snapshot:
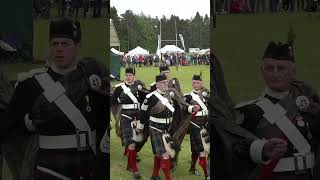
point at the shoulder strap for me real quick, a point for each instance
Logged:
(276, 114)
(55, 92)
(198, 100)
(128, 92)
(164, 101)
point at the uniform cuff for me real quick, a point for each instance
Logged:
(190, 109)
(256, 150)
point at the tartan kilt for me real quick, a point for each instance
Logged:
(70, 163)
(125, 126)
(156, 138)
(126, 131)
(195, 136)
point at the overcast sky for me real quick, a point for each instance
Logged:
(185, 9)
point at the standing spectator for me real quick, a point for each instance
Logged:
(263, 6)
(300, 5)
(75, 4)
(97, 8)
(150, 60)
(157, 61)
(85, 5)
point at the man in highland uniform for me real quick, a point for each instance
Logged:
(129, 96)
(198, 125)
(285, 120)
(158, 108)
(61, 111)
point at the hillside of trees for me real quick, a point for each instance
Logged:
(142, 30)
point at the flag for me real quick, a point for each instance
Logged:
(158, 48)
(182, 41)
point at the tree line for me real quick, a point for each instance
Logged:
(142, 30)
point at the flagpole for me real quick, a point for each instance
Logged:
(160, 43)
(175, 24)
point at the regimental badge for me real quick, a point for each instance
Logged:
(95, 81)
(303, 103)
(300, 121)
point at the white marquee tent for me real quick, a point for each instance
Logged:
(137, 51)
(171, 49)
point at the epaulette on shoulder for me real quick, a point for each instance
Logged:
(152, 83)
(139, 82)
(117, 85)
(150, 94)
(186, 94)
(242, 104)
(26, 75)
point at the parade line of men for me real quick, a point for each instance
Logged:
(159, 113)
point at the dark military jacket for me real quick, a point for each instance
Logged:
(120, 97)
(82, 88)
(203, 95)
(307, 124)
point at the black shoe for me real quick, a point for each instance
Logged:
(155, 178)
(194, 172)
(128, 168)
(136, 175)
(138, 159)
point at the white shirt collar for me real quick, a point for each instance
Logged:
(275, 94)
(161, 92)
(129, 83)
(195, 91)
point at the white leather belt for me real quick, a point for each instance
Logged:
(296, 163)
(130, 106)
(81, 141)
(202, 113)
(161, 120)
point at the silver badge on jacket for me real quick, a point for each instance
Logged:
(95, 81)
(303, 103)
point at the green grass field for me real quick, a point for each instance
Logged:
(119, 162)
(239, 41)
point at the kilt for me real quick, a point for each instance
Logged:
(69, 163)
(195, 136)
(126, 129)
(156, 137)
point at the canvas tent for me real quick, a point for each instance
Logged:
(204, 51)
(171, 49)
(138, 51)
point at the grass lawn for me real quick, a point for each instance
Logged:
(118, 161)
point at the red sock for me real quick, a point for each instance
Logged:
(125, 151)
(156, 165)
(203, 164)
(165, 165)
(132, 159)
(194, 158)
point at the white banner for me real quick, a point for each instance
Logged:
(158, 48)
(182, 41)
